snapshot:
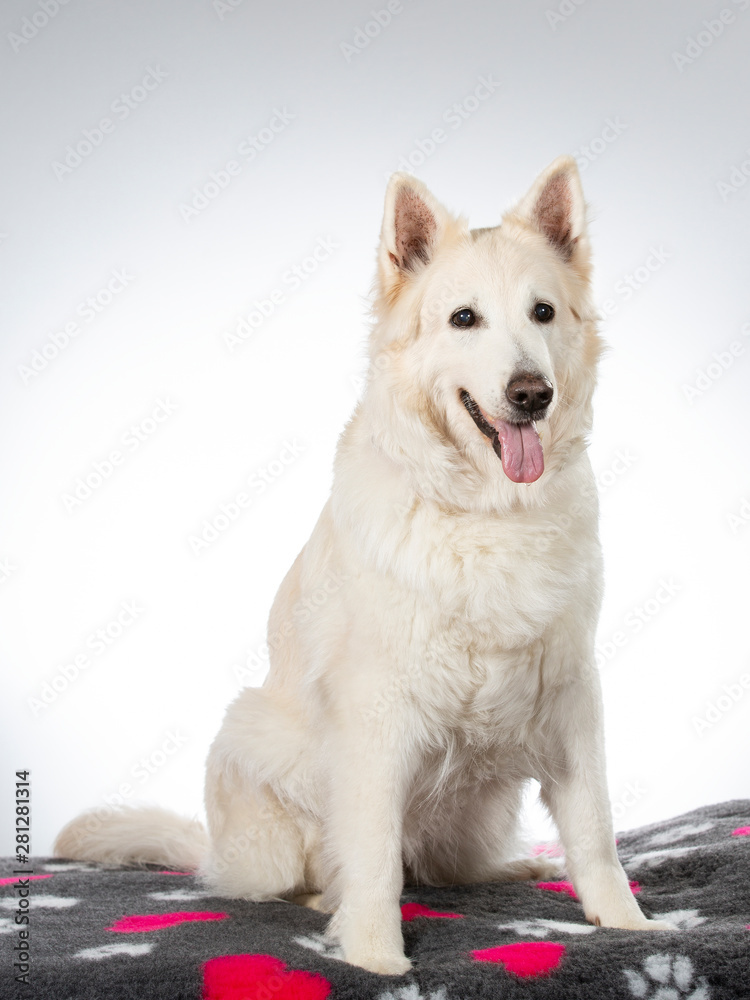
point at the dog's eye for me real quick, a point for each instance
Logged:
(544, 312)
(463, 318)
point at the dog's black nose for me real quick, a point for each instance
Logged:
(531, 393)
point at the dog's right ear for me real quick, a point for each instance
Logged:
(414, 223)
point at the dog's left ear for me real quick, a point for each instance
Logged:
(554, 206)
(414, 224)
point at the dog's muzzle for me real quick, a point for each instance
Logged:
(516, 441)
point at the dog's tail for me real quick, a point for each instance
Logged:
(133, 836)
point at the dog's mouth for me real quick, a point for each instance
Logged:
(517, 445)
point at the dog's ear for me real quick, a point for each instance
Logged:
(414, 223)
(554, 206)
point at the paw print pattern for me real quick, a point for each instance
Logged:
(412, 993)
(183, 895)
(667, 977)
(69, 866)
(323, 945)
(114, 951)
(685, 920)
(653, 858)
(675, 833)
(541, 927)
(43, 902)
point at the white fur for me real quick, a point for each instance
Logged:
(450, 658)
(130, 835)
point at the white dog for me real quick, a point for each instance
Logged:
(449, 657)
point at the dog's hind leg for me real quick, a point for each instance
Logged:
(494, 844)
(263, 843)
(476, 839)
(256, 847)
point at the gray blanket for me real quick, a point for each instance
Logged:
(130, 934)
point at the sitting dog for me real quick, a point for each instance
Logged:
(454, 658)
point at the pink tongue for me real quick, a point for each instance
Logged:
(521, 451)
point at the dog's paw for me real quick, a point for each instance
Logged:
(638, 924)
(312, 900)
(372, 939)
(384, 965)
(544, 869)
(666, 976)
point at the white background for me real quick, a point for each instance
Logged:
(352, 115)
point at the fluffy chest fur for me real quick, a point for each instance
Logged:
(503, 575)
(451, 613)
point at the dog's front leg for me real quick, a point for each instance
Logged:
(370, 775)
(575, 791)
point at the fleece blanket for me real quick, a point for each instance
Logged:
(127, 934)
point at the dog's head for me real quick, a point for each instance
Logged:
(489, 334)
